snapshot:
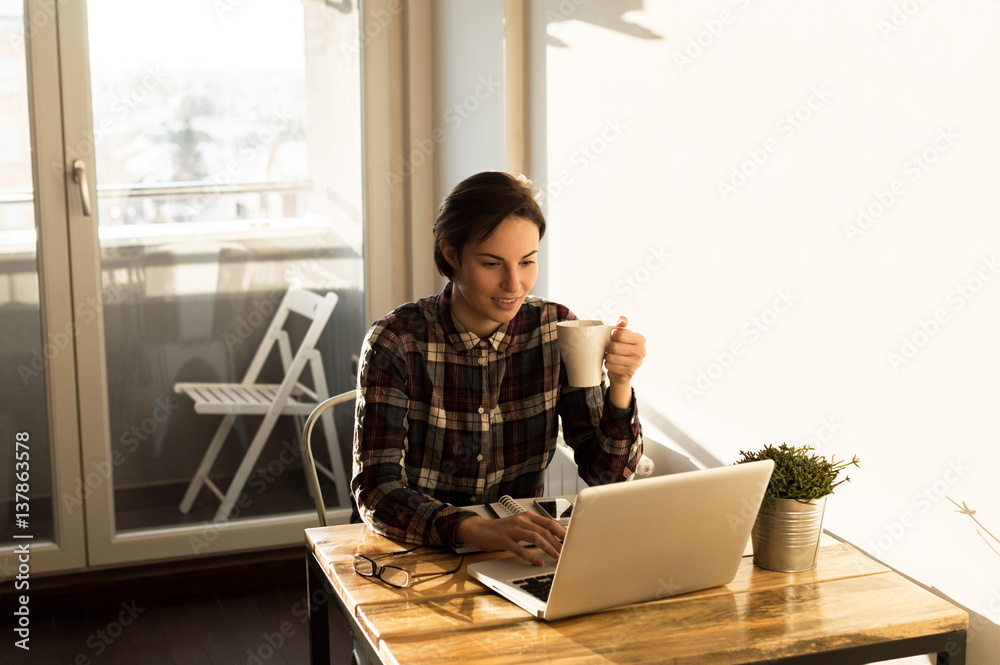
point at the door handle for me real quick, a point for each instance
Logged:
(80, 178)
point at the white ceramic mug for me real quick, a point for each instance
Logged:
(582, 345)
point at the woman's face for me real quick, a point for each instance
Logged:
(494, 276)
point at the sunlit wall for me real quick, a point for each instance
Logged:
(795, 202)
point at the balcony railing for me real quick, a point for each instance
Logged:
(26, 194)
(23, 241)
(200, 188)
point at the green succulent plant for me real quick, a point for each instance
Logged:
(798, 474)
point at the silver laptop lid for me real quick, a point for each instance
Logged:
(656, 537)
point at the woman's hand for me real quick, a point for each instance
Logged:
(509, 532)
(622, 359)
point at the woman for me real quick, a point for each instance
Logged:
(458, 393)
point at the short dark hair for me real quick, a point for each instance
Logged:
(476, 207)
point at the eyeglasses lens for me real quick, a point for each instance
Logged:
(395, 576)
(389, 574)
(364, 566)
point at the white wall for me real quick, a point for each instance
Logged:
(705, 164)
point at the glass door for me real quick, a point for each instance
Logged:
(40, 494)
(218, 147)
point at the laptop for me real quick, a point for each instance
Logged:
(639, 541)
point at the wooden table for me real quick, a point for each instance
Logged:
(849, 609)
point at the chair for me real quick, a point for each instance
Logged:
(308, 462)
(290, 397)
(310, 466)
(171, 276)
(562, 476)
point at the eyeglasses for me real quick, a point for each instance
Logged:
(393, 575)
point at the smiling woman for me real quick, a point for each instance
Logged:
(492, 279)
(489, 254)
(459, 393)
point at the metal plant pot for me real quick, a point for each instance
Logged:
(786, 534)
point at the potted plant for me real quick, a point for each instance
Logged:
(788, 527)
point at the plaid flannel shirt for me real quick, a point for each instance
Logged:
(446, 419)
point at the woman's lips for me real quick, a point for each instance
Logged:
(506, 303)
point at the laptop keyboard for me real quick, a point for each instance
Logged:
(538, 586)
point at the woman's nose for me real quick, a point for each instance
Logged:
(510, 280)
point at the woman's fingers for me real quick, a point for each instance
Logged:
(536, 530)
(547, 535)
(626, 352)
(509, 533)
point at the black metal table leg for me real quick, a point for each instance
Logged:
(949, 647)
(319, 612)
(323, 622)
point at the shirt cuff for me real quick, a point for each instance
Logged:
(620, 423)
(447, 526)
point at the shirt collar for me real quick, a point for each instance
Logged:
(463, 340)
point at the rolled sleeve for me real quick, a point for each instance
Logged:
(606, 440)
(379, 483)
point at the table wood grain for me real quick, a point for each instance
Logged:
(847, 601)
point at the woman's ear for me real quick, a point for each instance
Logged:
(450, 255)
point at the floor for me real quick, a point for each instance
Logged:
(266, 623)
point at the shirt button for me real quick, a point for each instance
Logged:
(482, 410)
(482, 361)
(473, 499)
(479, 457)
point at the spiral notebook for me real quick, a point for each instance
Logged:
(507, 506)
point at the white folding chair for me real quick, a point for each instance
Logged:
(270, 400)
